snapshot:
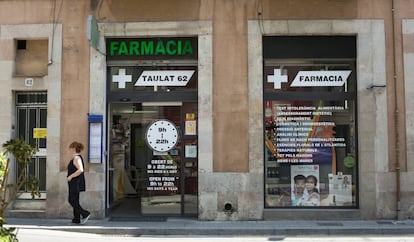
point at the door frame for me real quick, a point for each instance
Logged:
(182, 137)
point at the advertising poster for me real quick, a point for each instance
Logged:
(191, 151)
(305, 185)
(340, 189)
(190, 127)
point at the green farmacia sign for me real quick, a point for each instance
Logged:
(152, 48)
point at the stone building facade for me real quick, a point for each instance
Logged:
(72, 68)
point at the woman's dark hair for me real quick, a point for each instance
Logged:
(315, 180)
(77, 146)
(299, 177)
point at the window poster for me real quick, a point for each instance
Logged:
(305, 185)
(162, 175)
(340, 189)
(191, 151)
(190, 127)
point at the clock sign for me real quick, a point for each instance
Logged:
(162, 135)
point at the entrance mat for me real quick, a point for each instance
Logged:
(138, 219)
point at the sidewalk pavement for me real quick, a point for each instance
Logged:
(183, 226)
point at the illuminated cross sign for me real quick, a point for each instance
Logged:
(277, 78)
(121, 79)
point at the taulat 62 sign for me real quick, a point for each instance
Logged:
(164, 78)
(155, 78)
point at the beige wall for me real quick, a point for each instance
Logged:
(229, 18)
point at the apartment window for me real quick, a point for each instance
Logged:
(31, 57)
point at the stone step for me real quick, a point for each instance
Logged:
(29, 204)
(26, 213)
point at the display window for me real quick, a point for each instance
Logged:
(310, 133)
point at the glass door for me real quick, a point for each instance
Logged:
(150, 172)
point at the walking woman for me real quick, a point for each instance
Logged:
(76, 182)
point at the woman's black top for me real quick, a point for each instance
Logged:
(77, 184)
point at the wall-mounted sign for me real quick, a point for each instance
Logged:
(162, 135)
(152, 48)
(310, 78)
(39, 133)
(28, 82)
(164, 78)
(95, 141)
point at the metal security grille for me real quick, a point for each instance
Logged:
(31, 112)
(31, 98)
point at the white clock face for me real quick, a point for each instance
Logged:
(162, 135)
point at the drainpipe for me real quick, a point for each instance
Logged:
(396, 118)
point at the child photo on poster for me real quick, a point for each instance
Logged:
(305, 185)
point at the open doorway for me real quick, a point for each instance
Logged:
(145, 182)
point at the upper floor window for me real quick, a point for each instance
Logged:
(31, 57)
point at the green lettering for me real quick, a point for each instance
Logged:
(147, 47)
(134, 48)
(188, 48)
(160, 50)
(180, 49)
(113, 46)
(123, 49)
(171, 49)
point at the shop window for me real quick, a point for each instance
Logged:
(31, 57)
(310, 133)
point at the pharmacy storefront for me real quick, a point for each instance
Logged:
(310, 141)
(152, 117)
(323, 117)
